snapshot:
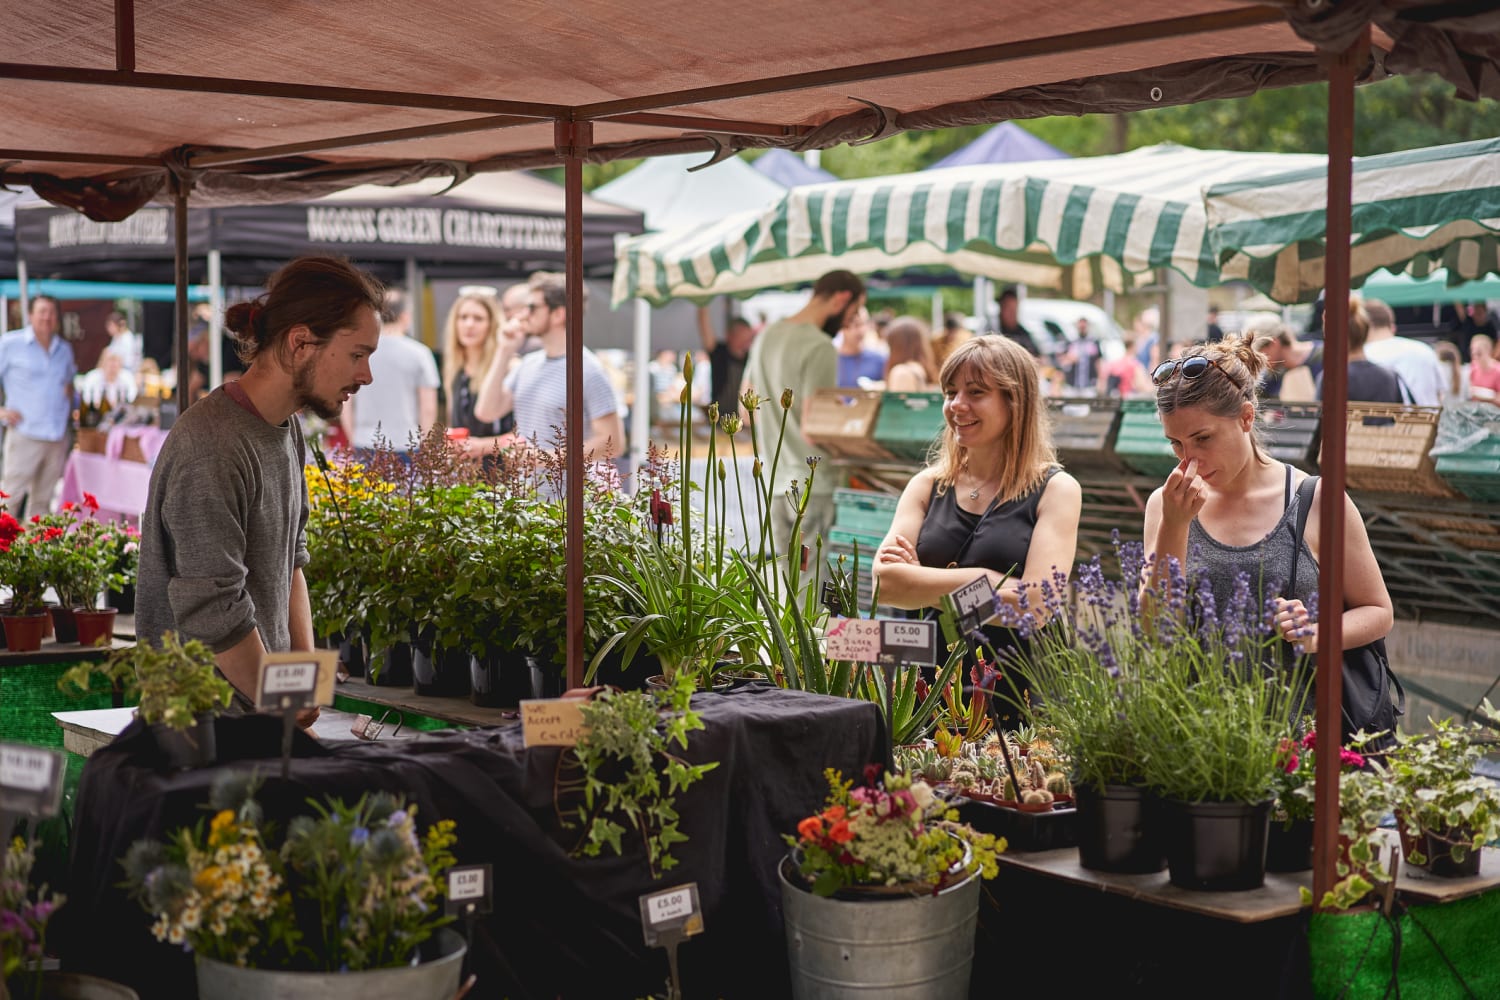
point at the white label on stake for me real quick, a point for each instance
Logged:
(913, 634)
(465, 883)
(978, 595)
(290, 678)
(27, 769)
(670, 906)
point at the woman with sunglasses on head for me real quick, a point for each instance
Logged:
(1229, 507)
(992, 501)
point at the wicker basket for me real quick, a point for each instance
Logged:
(1387, 449)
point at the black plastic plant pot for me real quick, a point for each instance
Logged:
(443, 673)
(1289, 848)
(352, 656)
(1216, 846)
(500, 680)
(547, 679)
(394, 668)
(124, 600)
(1119, 829)
(1439, 850)
(186, 749)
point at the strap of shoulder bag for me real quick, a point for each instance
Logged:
(1304, 507)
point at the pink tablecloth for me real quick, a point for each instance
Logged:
(119, 486)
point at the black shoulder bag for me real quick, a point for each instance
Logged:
(1373, 696)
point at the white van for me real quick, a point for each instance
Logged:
(1053, 322)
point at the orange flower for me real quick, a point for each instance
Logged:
(840, 833)
(810, 828)
(833, 813)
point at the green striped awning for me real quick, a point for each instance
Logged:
(1072, 225)
(1414, 211)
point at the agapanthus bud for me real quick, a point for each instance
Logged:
(713, 413)
(786, 399)
(730, 424)
(687, 365)
(751, 400)
(722, 471)
(756, 469)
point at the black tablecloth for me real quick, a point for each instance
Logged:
(561, 926)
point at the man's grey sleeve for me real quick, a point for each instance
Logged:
(203, 515)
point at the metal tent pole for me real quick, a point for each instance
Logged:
(216, 319)
(1341, 72)
(640, 416)
(573, 140)
(180, 360)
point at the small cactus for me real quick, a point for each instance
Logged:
(1058, 784)
(1037, 797)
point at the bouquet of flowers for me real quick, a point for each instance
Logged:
(892, 831)
(23, 919)
(350, 888)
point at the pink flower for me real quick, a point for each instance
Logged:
(1349, 758)
(1310, 741)
(1291, 764)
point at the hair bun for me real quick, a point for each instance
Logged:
(1242, 348)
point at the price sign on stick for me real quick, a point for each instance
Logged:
(973, 604)
(671, 911)
(908, 642)
(856, 639)
(471, 890)
(31, 780)
(294, 681)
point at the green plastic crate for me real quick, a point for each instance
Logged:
(864, 510)
(908, 423)
(1474, 472)
(1141, 444)
(1290, 432)
(1083, 431)
(841, 542)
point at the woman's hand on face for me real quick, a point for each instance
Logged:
(1184, 494)
(897, 550)
(1295, 625)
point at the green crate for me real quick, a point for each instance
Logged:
(868, 541)
(908, 424)
(1474, 472)
(1291, 433)
(1140, 443)
(1083, 431)
(864, 510)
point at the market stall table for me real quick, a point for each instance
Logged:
(562, 925)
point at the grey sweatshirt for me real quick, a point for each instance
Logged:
(223, 528)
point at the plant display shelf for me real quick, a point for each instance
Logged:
(419, 711)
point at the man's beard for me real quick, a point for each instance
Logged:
(833, 324)
(302, 386)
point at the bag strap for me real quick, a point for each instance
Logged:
(1304, 507)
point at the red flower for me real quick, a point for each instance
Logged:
(1351, 759)
(810, 828)
(840, 833)
(834, 813)
(9, 528)
(1291, 764)
(1310, 741)
(90, 501)
(4, 495)
(69, 505)
(36, 519)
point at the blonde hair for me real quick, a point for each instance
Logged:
(1223, 390)
(1026, 453)
(453, 351)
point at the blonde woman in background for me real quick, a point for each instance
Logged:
(470, 339)
(911, 367)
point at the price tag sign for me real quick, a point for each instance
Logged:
(856, 639)
(31, 780)
(294, 681)
(671, 914)
(831, 598)
(471, 890)
(553, 722)
(908, 642)
(974, 604)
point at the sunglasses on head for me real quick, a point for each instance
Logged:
(1191, 368)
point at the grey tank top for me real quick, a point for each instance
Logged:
(1268, 561)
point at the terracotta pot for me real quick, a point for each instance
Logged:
(95, 627)
(23, 633)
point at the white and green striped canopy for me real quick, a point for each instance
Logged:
(1414, 211)
(1071, 225)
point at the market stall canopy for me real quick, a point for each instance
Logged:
(1406, 290)
(489, 225)
(1004, 143)
(671, 195)
(1071, 225)
(1414, 211)
(788, 169)
(265, 101)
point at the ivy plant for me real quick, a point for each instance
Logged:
(174, 683)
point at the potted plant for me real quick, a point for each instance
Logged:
(1289, 847)
(1447, 811)
(346, 904)
(178, 690)
(25, 911)
(23, 569)
(883, 882)
(80, 553)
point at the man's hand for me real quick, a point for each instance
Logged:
(9, 417)
(308, 716)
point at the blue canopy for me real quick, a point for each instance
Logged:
(789, 170)
(1005, 143)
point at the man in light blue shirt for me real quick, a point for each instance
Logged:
(36, 376)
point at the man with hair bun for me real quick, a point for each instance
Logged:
(223, 535)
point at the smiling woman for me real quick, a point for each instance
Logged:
(993, 502)
(1229, 508)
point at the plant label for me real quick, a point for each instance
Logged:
(670, 915)
(974, 604)
(471, 890)
(831, 599)
(31, 780)
(554, 722)
(908, 642)
(856, 639)
(296, 680)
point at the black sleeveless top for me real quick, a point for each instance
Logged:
(998, 539)
(463, 398)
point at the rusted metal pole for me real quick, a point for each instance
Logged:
(180, 361)
(125, 35)
(1330, 677)
(573, 140)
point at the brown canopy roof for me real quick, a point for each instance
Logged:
(195, 82)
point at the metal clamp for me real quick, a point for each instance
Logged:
(367, 727)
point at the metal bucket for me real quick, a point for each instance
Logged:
(892, 947)
(435, 978)
(72, 986)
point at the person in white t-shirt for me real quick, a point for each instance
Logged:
(1414, 362)
(400, 403)
(125, 343)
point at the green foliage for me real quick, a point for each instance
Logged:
(173, 684)
(81, 556)
(350, 888)
(1436, 790)
(631, 777)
